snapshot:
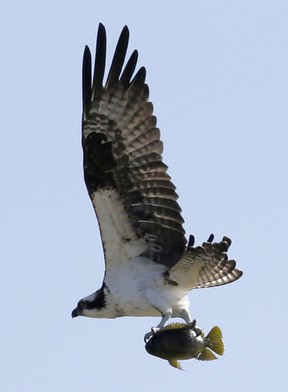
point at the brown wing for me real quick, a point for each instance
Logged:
(122, 158)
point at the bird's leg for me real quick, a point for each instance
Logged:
(185, 315)
(165, 318)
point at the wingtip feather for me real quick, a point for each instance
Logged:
(86, 78)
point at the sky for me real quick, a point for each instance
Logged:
(217, 72)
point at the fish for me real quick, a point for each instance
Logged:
(179, 341)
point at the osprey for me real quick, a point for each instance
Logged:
(150, 269)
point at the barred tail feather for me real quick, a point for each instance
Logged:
(205, 266)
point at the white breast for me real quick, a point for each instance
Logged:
(137, 288)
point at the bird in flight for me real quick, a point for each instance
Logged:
(149, 266)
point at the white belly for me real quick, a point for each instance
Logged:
(137, 288)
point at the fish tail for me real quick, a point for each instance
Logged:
(216, 340)
(175, 363)
(207, 355)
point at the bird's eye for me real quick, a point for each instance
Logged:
(81, 304)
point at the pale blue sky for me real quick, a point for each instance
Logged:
(217, 72)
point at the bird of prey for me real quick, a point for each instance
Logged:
(150, 268)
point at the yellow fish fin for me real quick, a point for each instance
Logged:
(216, 338)
(207, 355)
(175, 363)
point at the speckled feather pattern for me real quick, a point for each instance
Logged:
(206, 266)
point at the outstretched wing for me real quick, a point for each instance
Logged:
(205, 266)
(132, 194)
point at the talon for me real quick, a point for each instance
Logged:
(149, 335)
(193, 323)
(198, 331)
(165, 317)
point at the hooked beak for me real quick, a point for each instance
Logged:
(75, 313)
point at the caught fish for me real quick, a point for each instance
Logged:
(178, 341)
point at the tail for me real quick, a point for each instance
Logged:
(205, 266)
(216, 340)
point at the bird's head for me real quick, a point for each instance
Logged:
(93, 305)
